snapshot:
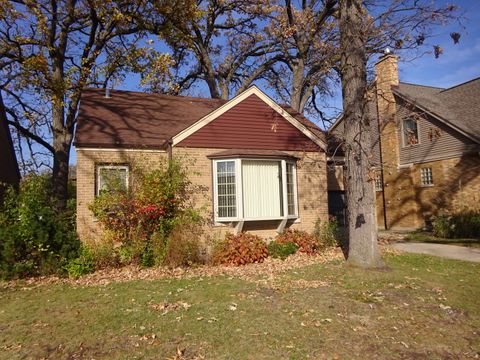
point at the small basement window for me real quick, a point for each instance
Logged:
(111, 178)
(410, 132)
(254, 189)
(378, 184)
(426, 176)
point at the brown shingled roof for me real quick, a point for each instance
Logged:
(135, 119)
(131, 119)
(458, 106)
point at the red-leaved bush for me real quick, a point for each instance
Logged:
(306, 243)
(240, 249)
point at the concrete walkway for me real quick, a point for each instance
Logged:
(446, 251)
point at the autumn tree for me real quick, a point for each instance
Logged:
(51, 50)
(223, 48)
(307, 36)
(307, 33)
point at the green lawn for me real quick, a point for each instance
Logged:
(429, 238)
(422, 308)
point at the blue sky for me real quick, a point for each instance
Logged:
(457, 64)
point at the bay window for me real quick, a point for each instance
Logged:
(254, 189)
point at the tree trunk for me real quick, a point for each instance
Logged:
(363, 247)
(297, 86)
(62, 141)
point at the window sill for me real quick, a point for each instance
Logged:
(427, 186)
(223, 222)
(410, 146)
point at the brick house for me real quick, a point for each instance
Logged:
(9, 172)
(262, 166)
(426, 145)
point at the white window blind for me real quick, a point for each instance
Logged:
(261, 189)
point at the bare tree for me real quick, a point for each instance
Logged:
(363, 247)
(360, 35)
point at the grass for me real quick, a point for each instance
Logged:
(422, 307)
(429, 238)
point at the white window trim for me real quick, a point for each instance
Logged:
(100, 167)
(428, 169)
(239, 191)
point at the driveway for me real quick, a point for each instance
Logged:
(446, 251)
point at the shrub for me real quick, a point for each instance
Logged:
(140, 222)
(82, 265)
(240, 249)
(467, 224)
(182, 248)
(35, 238)
(442, 226)
(464, 224)
(281, 250)
(306, 243)
(327, 232)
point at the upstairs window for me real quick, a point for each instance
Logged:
(426, 176)
(247, 189)
(111, 178)
(410, 132)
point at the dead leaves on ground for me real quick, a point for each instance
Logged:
(251, 272)
(166, 307)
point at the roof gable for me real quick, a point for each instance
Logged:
(128, 119)
(253, 120)
(457, 107)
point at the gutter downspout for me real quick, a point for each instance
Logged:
(381, 163)
(170, 150)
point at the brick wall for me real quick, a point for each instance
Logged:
(87, 227)
(456, 187)
(311, 181)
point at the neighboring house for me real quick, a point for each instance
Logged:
(427, 153)
(9, 173)
(262, 167)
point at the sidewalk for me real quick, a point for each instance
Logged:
(446, 251)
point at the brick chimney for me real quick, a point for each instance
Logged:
(386, 76)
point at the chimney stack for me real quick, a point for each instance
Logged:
(386, 76)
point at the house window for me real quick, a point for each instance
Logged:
(410, 132)
(247, 189)
(291, 189)
(111, 178)
(226, 187)
(426, 176)
(378, 184)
